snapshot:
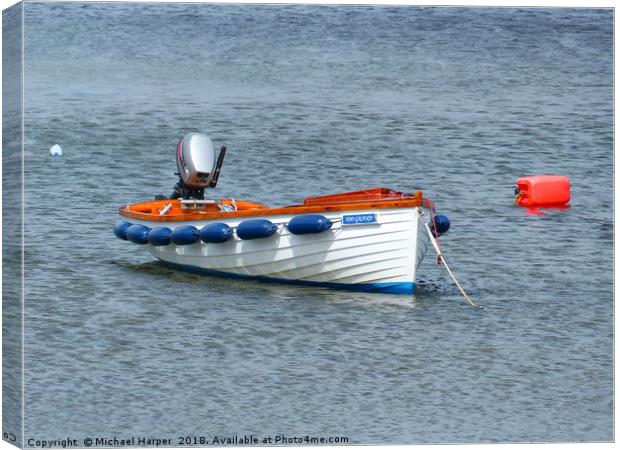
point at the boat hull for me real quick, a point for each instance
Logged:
(374, 257)
(386, 287)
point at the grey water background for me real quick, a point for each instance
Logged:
(313, 100)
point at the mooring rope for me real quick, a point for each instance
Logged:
(440, 258)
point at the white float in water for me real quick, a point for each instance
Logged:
(56, 150)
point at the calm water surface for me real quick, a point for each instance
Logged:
(313, 100)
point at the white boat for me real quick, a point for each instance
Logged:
(375, 240)
(369, 240)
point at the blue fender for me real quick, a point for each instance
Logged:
(138, 234)
(256, 229)
(120, 229)
(215, 233)
(442, 224)
(160, 236)
(309, 224)
(185, 235)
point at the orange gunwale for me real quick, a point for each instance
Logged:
(378, 198)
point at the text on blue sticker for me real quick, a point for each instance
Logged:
(359, 219)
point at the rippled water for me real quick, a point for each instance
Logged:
(313, 100)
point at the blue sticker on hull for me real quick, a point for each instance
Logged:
(359, 219)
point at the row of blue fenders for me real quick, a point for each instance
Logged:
(217, 233)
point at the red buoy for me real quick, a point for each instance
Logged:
(545, 191)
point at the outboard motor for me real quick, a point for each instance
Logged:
(198, 168)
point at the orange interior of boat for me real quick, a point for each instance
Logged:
(175, 210)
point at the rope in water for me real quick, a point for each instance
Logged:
(442, 259)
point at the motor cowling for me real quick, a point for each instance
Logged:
(196, 160)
